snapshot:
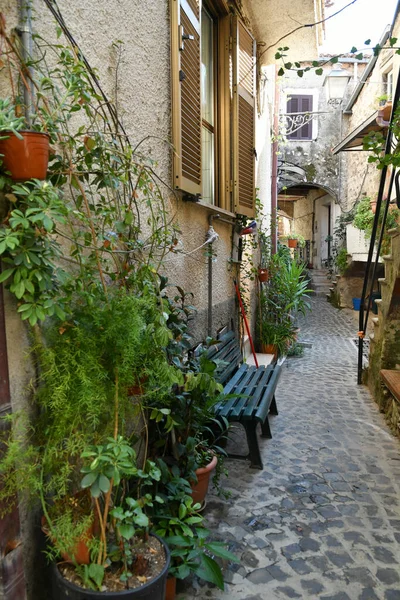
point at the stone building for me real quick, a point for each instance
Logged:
(368, 110)
(194, 75)
(311, 178)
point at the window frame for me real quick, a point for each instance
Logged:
(296, 136)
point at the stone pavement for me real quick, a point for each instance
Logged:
(322, 520)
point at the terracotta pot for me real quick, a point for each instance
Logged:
(263, 275)
(292, 243)
(27, 158)
(81, 552)
(270, 349)
(385, 111)
(203, 479)
(170, 590)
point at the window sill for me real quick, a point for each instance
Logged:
(216, 210)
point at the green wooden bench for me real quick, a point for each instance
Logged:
(253, 390)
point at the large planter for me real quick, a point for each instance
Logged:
(152, 590)
(199, 489)
(27, 158)
(270, 349)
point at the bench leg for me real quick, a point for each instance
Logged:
(254, 450)
(273, 408)
(265, 429)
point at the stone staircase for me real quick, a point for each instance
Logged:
(385, 337)
(319, 282)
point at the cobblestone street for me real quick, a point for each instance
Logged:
(322, 520)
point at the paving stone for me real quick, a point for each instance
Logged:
(383, 554)
(356, 537)
(392, 594)
(360, 575)
(277, 573)
(339, 559)
(249, 559)
(368, 594)
(259, 576)
(338, 596)
(289, 551)
(389, 576)
(288, 592)
(300, 566)
(309, 544)
(312, 587)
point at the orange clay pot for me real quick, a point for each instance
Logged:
(170, 590)
(292, 243)
(27, 158)
(199, 489)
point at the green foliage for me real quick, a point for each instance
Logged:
(9, 121)
(364, 220)
(285, 295)
(341, 261)
(294, 236)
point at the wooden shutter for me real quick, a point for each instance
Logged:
(244, 114)
(301, 104)
(186, 95)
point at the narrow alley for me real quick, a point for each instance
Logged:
(322, 520)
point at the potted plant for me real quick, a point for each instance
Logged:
(141, 560)
(293, 240)
(178, 521)
(24, 154)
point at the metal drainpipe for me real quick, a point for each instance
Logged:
(274, 177)
(25, 30)
(209, 318)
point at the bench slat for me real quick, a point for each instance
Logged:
(257, 393)
(263, 408)
(243, 389)
(240, 378)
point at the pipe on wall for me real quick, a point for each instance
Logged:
(274, 178)
(210, 287)
(25, 31)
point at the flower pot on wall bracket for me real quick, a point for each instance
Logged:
(199, 489)
(263, 274)
(385, 111)
(292, 243)
(25, 158)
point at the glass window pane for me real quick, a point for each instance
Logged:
(208, 166)
(207, 67)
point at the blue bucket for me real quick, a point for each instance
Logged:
(356, 303)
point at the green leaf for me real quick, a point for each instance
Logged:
(104, 483)
(6, 274)
(300, 72)
(126, 531)
(209, 570)
(319, 71)
(281, 72)
(88, 480)
(367, 42)
(96, 572)
(142, 520)
(353, 50)
(219, 549)
(19, 289)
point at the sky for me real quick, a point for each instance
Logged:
(363, 20)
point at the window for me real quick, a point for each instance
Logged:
(300, 104)
(213, 105)
(207, 106)
(387, 80)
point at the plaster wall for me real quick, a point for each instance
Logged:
(277, 18)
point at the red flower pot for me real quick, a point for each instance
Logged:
(27, 158)
(80, 552)
(263, 275)
(292, 243)
(199, 489)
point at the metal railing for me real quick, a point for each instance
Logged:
(375, 246)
